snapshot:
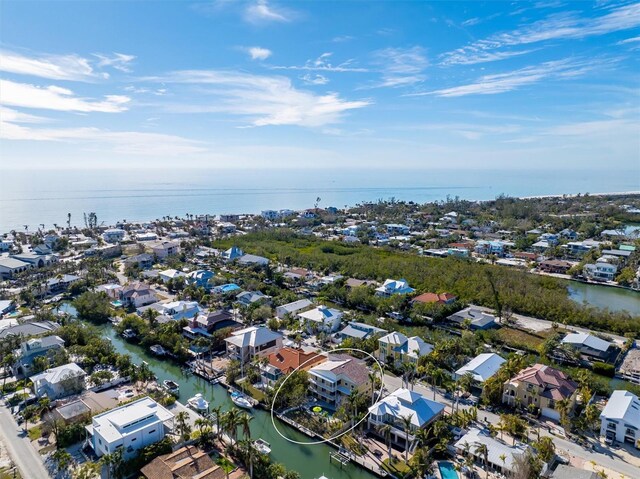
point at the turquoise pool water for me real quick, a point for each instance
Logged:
(447, 471)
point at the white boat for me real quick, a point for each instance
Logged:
(198, 403)
(158, 350)
(241, 400)
(171, 386)
(262, 446)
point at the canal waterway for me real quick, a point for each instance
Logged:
(309, 461)
(614, 299)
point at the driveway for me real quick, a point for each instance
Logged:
(24, 456)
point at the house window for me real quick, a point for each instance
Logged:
(151, 432)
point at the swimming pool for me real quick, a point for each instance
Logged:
(447, 471)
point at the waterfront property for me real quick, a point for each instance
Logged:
(542, 387)
(335, 379)
(482, 367)
(136, 295)
(130, 427)
(287, 360)
(206, 323)
(245, 344)
(620, 418)
(501, 457)
(590, 345)
(400, 404)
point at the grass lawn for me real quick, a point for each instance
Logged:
(255, 393)
(47, 449)
(519, 339)
(396, 466)
(35, 433)
(10, 473)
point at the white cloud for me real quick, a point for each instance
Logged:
(259, 53)
(401, 66)
(504, 82)
(12, 127)
(56, 98)
(118, 61)
(265, 100)
(54, 67)
(560, 26)
(316, 79)
(629, 40)
(261, 12)
(323, 63)
(471, 22)
(480, 56)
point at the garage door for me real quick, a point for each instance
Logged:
(550, 413)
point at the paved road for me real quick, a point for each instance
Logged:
(24, 456)
(604, 457)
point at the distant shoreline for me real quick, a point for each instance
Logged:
(574, 195)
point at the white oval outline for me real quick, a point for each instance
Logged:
(311, 443)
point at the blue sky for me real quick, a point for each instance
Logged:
(269, 84)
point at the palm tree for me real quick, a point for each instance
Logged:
(373, 378)
(112, 461)
(204, 425)
(385, 432)
(481, 449)
(406, 423)
(182, 425)
(245, 422)
(230, 423)
(218, 412)
(250, 451)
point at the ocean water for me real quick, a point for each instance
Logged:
(46, 196)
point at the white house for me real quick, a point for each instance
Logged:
(392, 286)
(137, 295)
(601, 271)
(501, 457)
(482, 367)
(130, 427)
(292, 308)
(404, 403)
(325, 319)
(59, 382)
(114, 235)
(9, 267)
(247, 343)
(29, 350)
(620, 418)
(169, 274)
(178, 309)
(337, 377)
(163, 249)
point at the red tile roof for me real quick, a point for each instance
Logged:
(434, 298)
(556, 383)
(288, 359)
(185, 463)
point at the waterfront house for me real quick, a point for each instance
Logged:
(474, 317)
(60, 283)
(555, 266)
(580, 248)
(245, 344)
(200, 278)
(293, 308)
(620, 418)
(247, 298)
(601, 270)
(114, 235)
(136, 295)
(321, 318)
(439, 298)
(287, 360)
(398, 405)
(590, 345)
(391, 287)
(205, 324)
(164, 249)
(542, 387)
(335, 379)
(56, 383)
(502, 458)
(169, 274)
(396, 348)
(178, 310)
(130, 427)
(10, 267)
(356, 330)
(482, 367)
(33, 348)
(188, 462)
